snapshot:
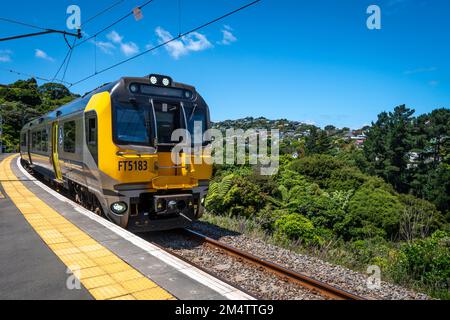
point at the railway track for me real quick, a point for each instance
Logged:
(328, 291)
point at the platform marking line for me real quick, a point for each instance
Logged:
(101, 272)
(191, 271)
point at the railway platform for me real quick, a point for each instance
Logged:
(52, 248)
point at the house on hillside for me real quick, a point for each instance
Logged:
(356, 136)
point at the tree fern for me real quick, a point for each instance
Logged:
(225, 185)
(284, 193)
(213, 188)
(218, 190)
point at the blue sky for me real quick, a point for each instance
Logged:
(313, 61)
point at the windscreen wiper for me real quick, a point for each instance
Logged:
(193, 112)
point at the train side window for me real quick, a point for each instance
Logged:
(44, 143)
(91, 134)
(69, 136)
(38, 141)
(24, 140)
(33, 141)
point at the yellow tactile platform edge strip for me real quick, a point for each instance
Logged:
(101, 272)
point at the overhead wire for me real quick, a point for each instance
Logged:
(70, 52)
(72, 47)
(113, 24)
(31, 75)
(68, 60)
(167, 42)
(22, 23)
(102, 12)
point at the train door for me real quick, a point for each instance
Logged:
(55, 158)
(29, 146)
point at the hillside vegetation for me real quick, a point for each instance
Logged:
(382, 202)
(23, 101)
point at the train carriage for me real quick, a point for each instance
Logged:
(111, 150)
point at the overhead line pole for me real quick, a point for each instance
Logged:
(48, 31)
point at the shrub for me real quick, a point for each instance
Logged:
(419, 219)
(425, 262)
(373, 251)
(236, 196)
(330, 173)
(346, 179)
(317, 168)
(291, 179)
(297, 227)
(372, 212)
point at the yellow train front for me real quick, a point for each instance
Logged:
(112, 151)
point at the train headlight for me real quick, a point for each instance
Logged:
(134, 88)
(153, 80)
(166, 82)
(119, 207)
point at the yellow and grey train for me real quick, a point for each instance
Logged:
(111, 151)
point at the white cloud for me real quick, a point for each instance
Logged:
(43, 55)
(5, 55)
(127, 48)
(105, 46)
(115, 37)
(193, 42)
(228, 36)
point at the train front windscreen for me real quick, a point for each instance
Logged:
(134, 123)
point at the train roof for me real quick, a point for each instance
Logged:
(81, 103)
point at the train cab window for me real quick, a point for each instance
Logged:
(196, 120)
(69, 136)
(131, 124)
(168, 119)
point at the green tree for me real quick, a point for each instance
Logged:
(437, 188)
(419, 219)
(317, 142)
(23, 101)
(373, 211)
(54, 91)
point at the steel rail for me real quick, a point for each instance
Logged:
(292, 276)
